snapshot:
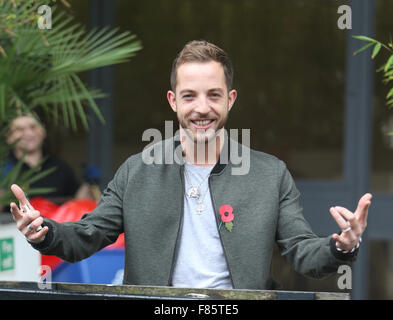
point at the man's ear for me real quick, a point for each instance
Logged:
(231, 98)
(171, 96)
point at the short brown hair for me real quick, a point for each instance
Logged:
(202, 51)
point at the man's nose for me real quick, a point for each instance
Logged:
(202, 106)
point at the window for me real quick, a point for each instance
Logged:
(289, 60)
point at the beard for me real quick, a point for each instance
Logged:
(201, 136)
(202, 144)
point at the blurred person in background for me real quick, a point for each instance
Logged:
(26, 135)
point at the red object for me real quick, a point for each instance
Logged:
(70, 211)
(226, 213)
(44, 206)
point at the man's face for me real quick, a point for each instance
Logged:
(28, 134)
(202, 100)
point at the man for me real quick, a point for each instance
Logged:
(194, 223)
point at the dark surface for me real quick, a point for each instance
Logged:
(71, 291)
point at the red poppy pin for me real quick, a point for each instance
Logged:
(227, 216)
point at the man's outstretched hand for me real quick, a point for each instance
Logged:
(352, 224)
(28, 220)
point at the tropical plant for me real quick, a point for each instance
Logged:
(40, 68)
(386, 68)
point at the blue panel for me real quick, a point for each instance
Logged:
(106, 267)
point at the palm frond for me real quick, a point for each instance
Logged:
(40, 69)
(45, 74)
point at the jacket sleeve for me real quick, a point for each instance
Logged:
(309, 254)
(74, 241)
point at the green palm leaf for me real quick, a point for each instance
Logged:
(42, 66)
(41, 69)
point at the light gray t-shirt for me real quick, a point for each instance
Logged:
(200, 261)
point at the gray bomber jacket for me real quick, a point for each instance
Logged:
(145, 201)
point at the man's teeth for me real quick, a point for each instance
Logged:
(202, 122)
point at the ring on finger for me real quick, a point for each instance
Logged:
(347, 229)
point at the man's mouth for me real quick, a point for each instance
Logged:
(202, 124)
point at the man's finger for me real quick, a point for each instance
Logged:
(342, 223)
(38, 236)
(363, 205)
(16, 213)
(19, 194)
(352, 220)
(33, 226)
(348, 215)
(27, 219)
(345, 241)
(339, 240)
(24, 204)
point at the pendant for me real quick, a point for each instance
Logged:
(193, 192)
(200, 208)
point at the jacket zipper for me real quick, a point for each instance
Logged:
(175, 251)
(219, 234)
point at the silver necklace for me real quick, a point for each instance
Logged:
(194, 192)
(201, 206)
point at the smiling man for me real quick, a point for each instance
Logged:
(202, 96)
(195, 224)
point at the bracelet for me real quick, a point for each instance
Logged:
(352, 250)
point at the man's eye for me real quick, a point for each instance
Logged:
(187, 96)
